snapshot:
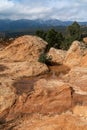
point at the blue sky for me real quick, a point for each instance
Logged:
(44, 9)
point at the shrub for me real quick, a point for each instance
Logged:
(43, 58)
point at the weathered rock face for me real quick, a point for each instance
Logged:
(43, 102)
(77, 77)
(21, 57)
(52, 93)
(7, 98)
(75, 54)
(84, 61)
(47, 97)
(57, 55)
(20, 69)
(65, 121)
(23, 48)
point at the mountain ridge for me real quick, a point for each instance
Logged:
(11, 25)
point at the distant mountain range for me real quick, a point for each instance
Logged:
(23, 24)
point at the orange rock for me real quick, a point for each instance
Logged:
(20, 69)
(47, 97)
(7, 98)
(75, 54)
(84, 61)
(77, 78)
(24, 48)
(57, 122)
(42, 105)
(80, 110)
(57, 55)
(85, 40)
(21, 57)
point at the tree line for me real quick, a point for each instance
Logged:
(58, 40)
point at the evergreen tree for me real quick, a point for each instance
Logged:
(41, 34)
(59, 40)
(74, 31)
(51, 37)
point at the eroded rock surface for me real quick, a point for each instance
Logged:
(19, 69)
(21, 57)
(78, 77)
(32, 100)
(57, 55)
(7, 97)
(84, 61)
(23, 48)
(46, 97)
(65, 121)
(75, 54)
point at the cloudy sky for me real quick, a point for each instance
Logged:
(44, 9)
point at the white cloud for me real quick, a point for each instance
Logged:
(33, 9)
(5, 5)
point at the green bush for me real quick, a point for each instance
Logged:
(74, 31)
(43, 58)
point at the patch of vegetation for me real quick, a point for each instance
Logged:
(43, 58)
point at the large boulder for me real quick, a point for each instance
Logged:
(57, 55)
(75, 54)
(20, 58)
(23, 48)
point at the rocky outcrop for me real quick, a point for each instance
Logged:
(53, 101)
(57, 55)
(47, 97)
(45, 106)
(23, 48)
(21, 57)
(75, 54)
